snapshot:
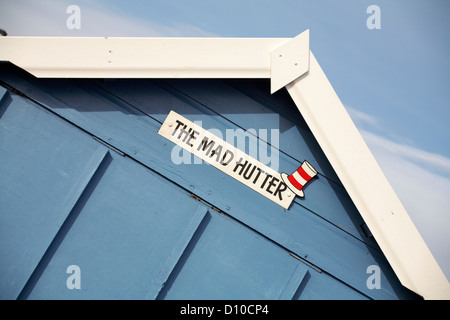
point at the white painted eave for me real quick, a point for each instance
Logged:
(50, 57)
(288, 63)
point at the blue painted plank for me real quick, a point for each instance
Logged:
(5, 100)
(321, 286)
(92, 166)
(302, 232)
(176, 253)
(42, 174)
(124, 240)
(294, 283)
(3, 94)
(229, 261)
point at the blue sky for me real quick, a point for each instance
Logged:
(393, 81)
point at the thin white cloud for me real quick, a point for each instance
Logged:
(48, 18)
(429, 161)
(423, 192)
(421, 180)
(362, 119)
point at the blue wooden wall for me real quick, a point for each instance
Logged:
(87, 181)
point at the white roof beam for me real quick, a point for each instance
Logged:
(141, 57)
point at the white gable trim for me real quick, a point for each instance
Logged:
(366, 184)
(287, 62)
(159, 57)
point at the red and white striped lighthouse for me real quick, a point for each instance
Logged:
(299, 178)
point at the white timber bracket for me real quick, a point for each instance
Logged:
(289, 61)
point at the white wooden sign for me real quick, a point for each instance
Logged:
(227, 158)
